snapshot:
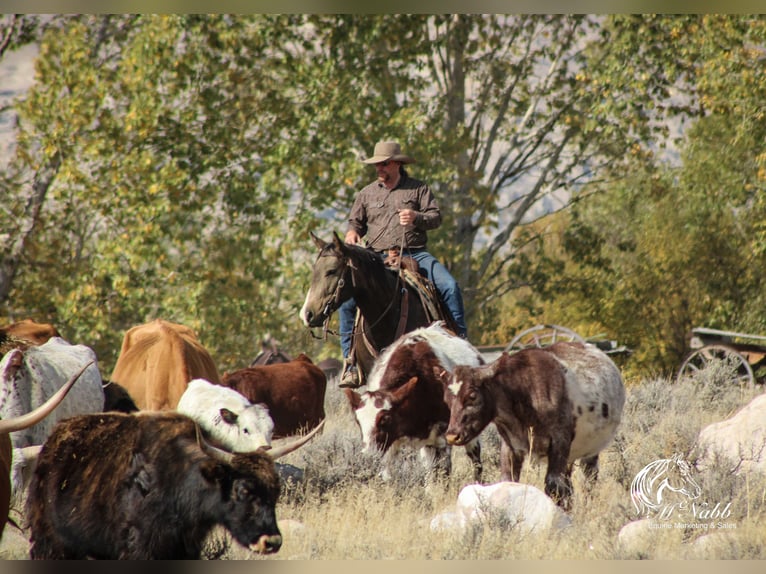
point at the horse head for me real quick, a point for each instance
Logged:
(331, 282)
(658, 480)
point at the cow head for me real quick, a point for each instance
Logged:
(411, 410)
(252, 489)
(470, 405)
(372, 410)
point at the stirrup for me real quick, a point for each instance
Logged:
(349, 379)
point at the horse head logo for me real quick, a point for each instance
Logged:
(661, 483)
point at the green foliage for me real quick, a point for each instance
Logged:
(179, 162)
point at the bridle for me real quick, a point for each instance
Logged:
(335, 302)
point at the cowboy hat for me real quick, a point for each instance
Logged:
(388, 151)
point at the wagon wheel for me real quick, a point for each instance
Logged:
(542, 336)
(701, 358)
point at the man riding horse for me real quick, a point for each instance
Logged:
(393, 214)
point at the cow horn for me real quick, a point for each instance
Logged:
(282, 450)
(228, 457)
(35, 416)
(211, 450)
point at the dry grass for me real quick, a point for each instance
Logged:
(343, 511)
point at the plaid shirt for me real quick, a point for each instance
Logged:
(374, 214)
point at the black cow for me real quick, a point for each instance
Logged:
(146, 486)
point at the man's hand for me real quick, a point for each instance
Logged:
(352, 237)
(407, 216)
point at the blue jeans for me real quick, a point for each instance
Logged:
(445, 284)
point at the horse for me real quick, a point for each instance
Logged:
(389, 302)
(270, 353)
(657, 480)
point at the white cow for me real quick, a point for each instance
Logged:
(227, 416)
(29, 377)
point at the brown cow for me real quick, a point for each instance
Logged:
(563, 402)
(14, 424)
(293, 392)
(157, 361)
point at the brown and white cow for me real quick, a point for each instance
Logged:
(404, 403)
(564, 402)
(147, 486)
(18, 423)
(157, 361)
(293, 392)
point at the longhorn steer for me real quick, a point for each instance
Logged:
(156, 493)
(294, 392)
(157, 360)
(564, 402)
(229, 418)
(29, 377)
(405, 401)
(16, 424)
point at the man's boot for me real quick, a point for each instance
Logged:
(349, 379)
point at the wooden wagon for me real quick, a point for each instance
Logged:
(742, 351)
(547, 334)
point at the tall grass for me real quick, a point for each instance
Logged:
(343, 510)
(346, 512)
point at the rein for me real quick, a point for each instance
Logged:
(334, 303)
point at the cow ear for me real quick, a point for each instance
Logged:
(211, 470)
(354, 398)
(228, 416)
(406, 389)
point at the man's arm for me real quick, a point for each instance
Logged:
(429, 215)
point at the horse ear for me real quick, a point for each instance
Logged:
(318, 242)
(340, 245)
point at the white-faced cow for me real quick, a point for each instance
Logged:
(226, 416)
(564, 402)
(157, 360)
(154, 492)
(30, 376)
(16, 424)
(404, 403)
(294, 392)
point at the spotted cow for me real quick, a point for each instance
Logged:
(563, 403)
(30, 376)
(19, 423)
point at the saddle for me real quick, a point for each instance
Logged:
(428, 297)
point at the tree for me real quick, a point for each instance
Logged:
(671, 247)
(196, 152)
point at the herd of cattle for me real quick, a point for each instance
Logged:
(196, 447)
